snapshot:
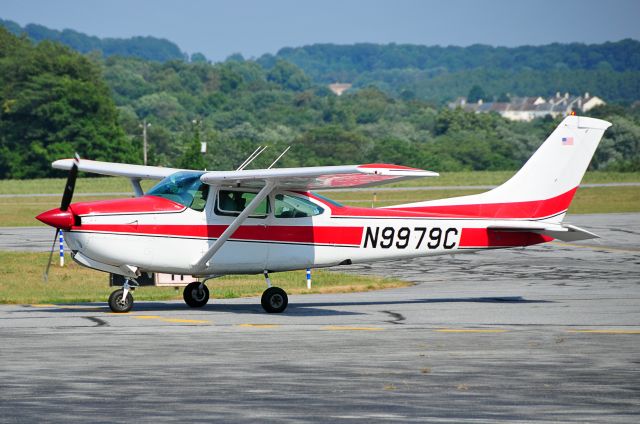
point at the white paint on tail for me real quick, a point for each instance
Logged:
(557, 167)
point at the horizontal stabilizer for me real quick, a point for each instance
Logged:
(563, 232)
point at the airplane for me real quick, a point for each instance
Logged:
(251, 221)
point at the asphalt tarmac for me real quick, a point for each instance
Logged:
(545, 334)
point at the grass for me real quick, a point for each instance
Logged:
(606, 200)
(469, 178)
(21, 282)
(83, 185)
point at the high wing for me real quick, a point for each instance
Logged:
(117, 169)
(318, 177)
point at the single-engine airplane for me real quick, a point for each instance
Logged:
(212, 223)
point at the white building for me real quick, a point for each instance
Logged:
(528, 108)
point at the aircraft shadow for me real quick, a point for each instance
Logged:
(294, 309)
(510, 299)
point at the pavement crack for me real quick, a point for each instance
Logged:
(99, 322)
(397, 317)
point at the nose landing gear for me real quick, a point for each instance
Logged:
(121, 300)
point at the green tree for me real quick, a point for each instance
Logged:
(288, 76)
(475, 94)
(54, 103)
(192, 157)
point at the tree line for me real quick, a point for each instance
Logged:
(55, 101)
(610, 70)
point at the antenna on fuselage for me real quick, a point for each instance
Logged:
(251, 157)
(278, 158)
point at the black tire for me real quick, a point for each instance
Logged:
(194, 296)
(117, 304)
(274, 300)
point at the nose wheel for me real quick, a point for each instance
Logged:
(196, 294)
(274, 300)
(120, 302)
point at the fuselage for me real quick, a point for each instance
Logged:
(292, 230)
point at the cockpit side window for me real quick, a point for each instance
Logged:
(231, 203)
(295, 207)
(200, 198)
(183, 187)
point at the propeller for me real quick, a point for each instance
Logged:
(67, 195)
(71, 185)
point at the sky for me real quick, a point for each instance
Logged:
(253, 27)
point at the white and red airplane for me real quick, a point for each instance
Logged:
(208, 224)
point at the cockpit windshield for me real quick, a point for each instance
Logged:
(183, 187)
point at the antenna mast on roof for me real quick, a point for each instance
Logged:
(278, 158)
(251, 157)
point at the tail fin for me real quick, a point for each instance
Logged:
(544, 187)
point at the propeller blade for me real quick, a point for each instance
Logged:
(45, 276)
(70, 186)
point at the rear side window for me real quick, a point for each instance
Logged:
(231, 203)
(295, 207)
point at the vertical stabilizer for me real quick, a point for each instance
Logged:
(544, 187)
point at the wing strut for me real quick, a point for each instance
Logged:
(137, 188)
(201, 264)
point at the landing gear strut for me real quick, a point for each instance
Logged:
(274, 299)
(196, 294)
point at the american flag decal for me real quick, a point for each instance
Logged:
(567, 141)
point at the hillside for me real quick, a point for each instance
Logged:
(56, 101)
(434, 73)
(149, 48)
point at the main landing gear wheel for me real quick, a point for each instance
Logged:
(118, 304)
(196, 294)
(274, 300)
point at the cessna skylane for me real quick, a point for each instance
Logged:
(206, 224)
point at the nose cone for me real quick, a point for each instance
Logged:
(57, 218)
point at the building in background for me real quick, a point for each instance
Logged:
(339, 88)
(529, 108)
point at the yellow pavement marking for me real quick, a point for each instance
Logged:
(147, 316)
(43, 305)
(259, 325)
(186, 321)
(349, 328)
(612, 331)
(470, 330)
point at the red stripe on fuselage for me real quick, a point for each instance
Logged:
(338, 236)
(518, 210)
(534, 209)
(285, 234)
(483, 238)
